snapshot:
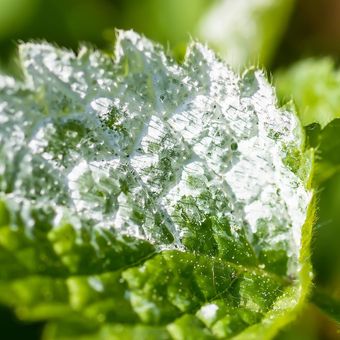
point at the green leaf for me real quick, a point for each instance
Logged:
(246, 32)
(144, 199)
(314, 85)
(326, 143)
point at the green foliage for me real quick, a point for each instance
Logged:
(144, 199)
(315, 87)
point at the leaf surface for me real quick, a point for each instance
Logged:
(145, 199)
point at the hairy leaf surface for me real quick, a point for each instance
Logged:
(145, 199)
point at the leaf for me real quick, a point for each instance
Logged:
(145, 199)
(246, 32)
(314, 85)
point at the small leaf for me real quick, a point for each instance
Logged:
(141, 198)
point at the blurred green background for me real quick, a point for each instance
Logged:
(273, 34)
(305, 27)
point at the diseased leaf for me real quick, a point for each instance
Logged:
(246, 32)
(144, 199)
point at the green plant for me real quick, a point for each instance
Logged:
(314, 84)
(141, 198)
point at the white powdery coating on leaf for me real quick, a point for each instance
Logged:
(137, 144)
(6, 82)
(208, 312)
